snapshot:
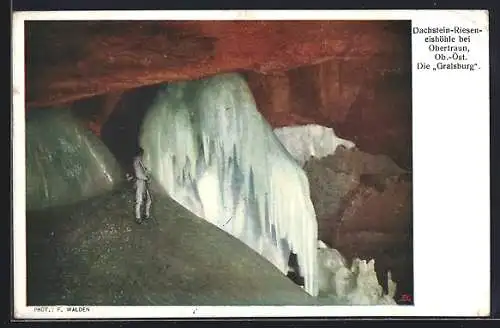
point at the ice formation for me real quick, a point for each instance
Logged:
(311, 140)
(211, 150)
(355, 286)
(65, 163)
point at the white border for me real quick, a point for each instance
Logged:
(451, 174)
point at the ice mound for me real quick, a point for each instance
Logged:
(357, 285)
(65, 163)
(311, 140)
(211, 150)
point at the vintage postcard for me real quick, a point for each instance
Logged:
(210, 164)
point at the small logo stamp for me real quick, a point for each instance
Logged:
(406, 298)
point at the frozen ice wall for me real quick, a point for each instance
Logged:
(65, 163)
(311, 140)
(208, 146)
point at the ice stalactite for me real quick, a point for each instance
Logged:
(212, 151)
(355, 286)
(311, 140)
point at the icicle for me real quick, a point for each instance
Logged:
(248, 184)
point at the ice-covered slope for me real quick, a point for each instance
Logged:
(65, 163)
(209, 147)
(310, 140)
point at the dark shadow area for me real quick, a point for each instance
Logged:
(121, 131)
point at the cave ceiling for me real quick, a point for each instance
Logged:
(354, 76)
(70, 60)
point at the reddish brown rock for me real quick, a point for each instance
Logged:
(366, 101)
(350, 75)
(95, 111)
(354, 191)
(363, 204)
(380, 119)
(358, 163)
(68, 60)
(385, 207)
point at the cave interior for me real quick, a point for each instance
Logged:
(352, 76)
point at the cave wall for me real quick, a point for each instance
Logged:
(366, 100)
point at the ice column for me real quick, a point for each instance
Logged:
(212, 151)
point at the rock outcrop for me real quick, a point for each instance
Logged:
(364, 209)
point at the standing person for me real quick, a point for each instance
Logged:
(141, 188)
